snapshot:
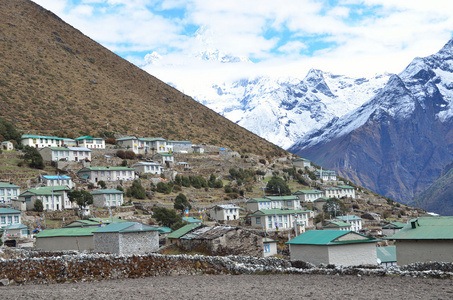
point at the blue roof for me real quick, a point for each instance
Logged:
(54, 177)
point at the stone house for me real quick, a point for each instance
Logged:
(9, 217)
(355, 221)
(90, 142)
(7, 146)
(225, 212)
(65, 153)
(41, 141)
(309, 195)
(126, 238)
(346, 248)
(8, 191)
(107, 198)
(424, 239)
(74, 238)
(223, 240)
(143, 167)
(282, 219)
(107, 174)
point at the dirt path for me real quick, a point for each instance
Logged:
(241, 287)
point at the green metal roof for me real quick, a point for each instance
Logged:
(166, 154)
(258, 200)
(8, 185)
(87, 137)
(308, 192)
(106, 169)
(27, 136)
(346, 187)
(349, 217)
(127, 138)
(386, 254)
(80, 223)
(336, 224)
(125, 227)
(9, 211)
(73, 231)
(276, 198)
(301, 159)
(270, 212)
(328, 237)
(426, 228)
(394, 225)
(183, 230)
(151, 139)
(47, 190)
(58, 148)
(16, 226)
(106, 191)
(192, 220)
(164, 229)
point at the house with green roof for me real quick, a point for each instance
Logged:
(270, 202)
(52, 197)
(8, 217)
(107, 174)
(93, 222)
(165, 159)
(173, 238)
(73, 238)
(282, 219)
(355, 221)
(339, 191)
(336, 225)
(424, 239)
(309, 195)
(7, 146)
(346, 248)
(107, 198)
(16, 231)
(392, 228)
(301, 163)
(65, 153)
(386, 256)
(326, 175)
(129, 238)
(128, 143)
(41, 141)
(154, 145)
(90, 142)
(8, 191)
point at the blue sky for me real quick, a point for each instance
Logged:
(282, 38)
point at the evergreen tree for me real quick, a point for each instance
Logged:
(181, 202)
(277, 186)
(136, 190)
(82, 198)
(34, 158)
(38, 205)
(165, 216)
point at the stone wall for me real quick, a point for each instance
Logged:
(44, 267)
(139, 242)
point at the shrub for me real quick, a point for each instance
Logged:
(111, 141)
(38, 206)
(120, 154)
(136, 190)
(181, 202)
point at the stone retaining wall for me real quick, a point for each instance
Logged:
(56, 267)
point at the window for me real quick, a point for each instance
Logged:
(8, 191)
(10, 219)
(3, 220)
(2, 192)
(16, 219)
(267, 248)
(258, 220)
(289, 203)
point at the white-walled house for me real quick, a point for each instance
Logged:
(56, 180)
(155, 145)
(181, 146)
(143, 167)
(337, 225)
(270, 219)
(8, 217)
(90, 142)
(129, 143)
(269, 247)
(326, 175)
(339, 191)
(166, 159)
(107, 174)
(65, 153)
(8, 191)
(309, 195)
(355, 221)
(52, 197)
(258, 204)
(345, 248)
(7, 146)
(226, 212)
(270, 202)
(107, 198)
(41, 141)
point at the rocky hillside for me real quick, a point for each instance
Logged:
(397, 143)
(56, 81)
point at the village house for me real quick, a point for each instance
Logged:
(269, 247)
(107, 174)
(386, 256)
(355, 221)
(258, 204)
(69, 142)
(93, 222)
(301, 163)
(90, 142)
(270, 202)
(65, 153)
(173, 238)
(225, 212)
(281, 219)
(326, 175)
(40, 141)
(223, 240)
(198, 149)
(107, 198)
(16, 230)
(339, 191)
(52, 197)
(7, 146)
(129, 143)
(424, 239)
(8, 191)
(8, 217)
(346, 248)
(154, 145)
(74, 238)
(309, 195)
(130, 238)
(166, 159)
(56, 180)
(181, 146)
(337, 225)
(143, 167)
(392, 228)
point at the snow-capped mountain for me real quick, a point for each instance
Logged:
(282, 110)
(398, 142)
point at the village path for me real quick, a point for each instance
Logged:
(241, 287)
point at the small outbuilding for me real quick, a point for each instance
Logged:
(269, 247)
(346, 248)
(78, 238)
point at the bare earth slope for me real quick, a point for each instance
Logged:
(241, 287)
(54, 80)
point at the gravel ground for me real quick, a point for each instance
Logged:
(241, 287)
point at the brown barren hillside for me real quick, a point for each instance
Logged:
(56, 81)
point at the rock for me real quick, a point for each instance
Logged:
(4, 282)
